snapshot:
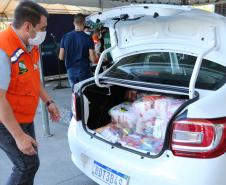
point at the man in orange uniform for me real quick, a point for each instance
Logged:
(20, 90)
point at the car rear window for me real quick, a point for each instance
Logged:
(168, 68)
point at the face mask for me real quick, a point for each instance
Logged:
(39, 38)
(88, 33)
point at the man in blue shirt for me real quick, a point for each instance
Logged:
(77, 49)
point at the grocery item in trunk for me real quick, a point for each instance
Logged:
(131, 95)
(153, 114)
(124, 116)
(167, 106)
(146, 122)
(174, 105)
(133, 140)
(142, 142)
(141, 124)
(110, 132)
(151, 145)
(145, 103)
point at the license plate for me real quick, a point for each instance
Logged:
(108, 175)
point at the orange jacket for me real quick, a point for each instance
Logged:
(95, 38)
(24, 88)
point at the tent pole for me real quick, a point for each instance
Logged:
(101, 4)
(185, 2)
(45, 118)
(7, 6)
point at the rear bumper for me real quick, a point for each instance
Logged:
(165, 170)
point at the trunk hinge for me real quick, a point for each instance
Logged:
(101, 59)
(198, 64)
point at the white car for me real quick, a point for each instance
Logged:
(160, 52)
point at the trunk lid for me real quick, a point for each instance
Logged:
(164, 27)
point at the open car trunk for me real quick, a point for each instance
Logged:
(132, 119)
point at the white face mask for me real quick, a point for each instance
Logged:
(39, 38)
(88, 33)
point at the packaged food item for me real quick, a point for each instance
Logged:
(145, 103)
(174, 104)
(142, 106)
(131, 95)
(152, 97)
(146, 122)
(167, 106)
(126, 131)
(99, 130)
(161, 106)
(160, 128)
(151, 145)
(148, 144)
(124, 115)
(141, 124)
(133, 140)
(110, 133)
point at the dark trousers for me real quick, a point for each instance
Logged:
(75, 76)
(25, 167)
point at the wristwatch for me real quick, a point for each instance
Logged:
(49, 102)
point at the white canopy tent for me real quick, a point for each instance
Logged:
(88, 6)
(62, 6)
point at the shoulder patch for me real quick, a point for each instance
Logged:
(16, 55)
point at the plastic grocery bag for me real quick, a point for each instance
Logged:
(110, 132)
(167, 106)
(124, 116)
(174, 104)
(151, 145)
(146, 122)
(132, 140)
(145, 103)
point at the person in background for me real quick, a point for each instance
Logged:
(106, 38)
(87, 30)
(107, 44)
(103, 31)
(20, 90)
(77, 49)
(97, 43)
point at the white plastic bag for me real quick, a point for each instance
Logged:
(145, 122)
(124, 115)
(174, 104)
(110, 132)
(145, 103)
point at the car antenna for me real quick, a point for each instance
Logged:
(155, 15)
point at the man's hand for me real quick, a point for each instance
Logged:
(26, 144)
(51, 106)
(54, 112)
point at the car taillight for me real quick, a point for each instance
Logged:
(199, 138)
(74, 107)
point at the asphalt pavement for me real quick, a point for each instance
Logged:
(56, 166)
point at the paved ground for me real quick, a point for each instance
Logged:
(56, 166)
